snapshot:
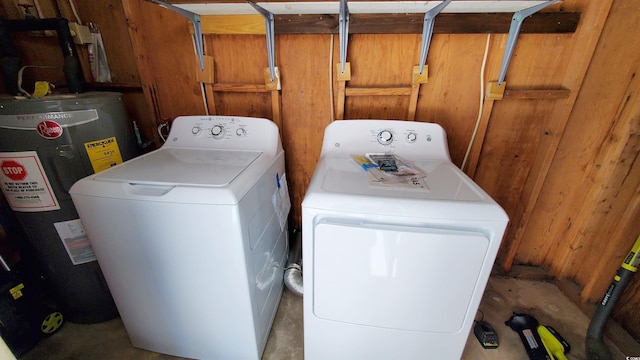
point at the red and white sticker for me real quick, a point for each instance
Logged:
(49, 129)
(25, 184)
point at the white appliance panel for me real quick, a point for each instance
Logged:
(179, 268)
(380, 271)
(198, 167)
(414, 140)
(231, 133)
(393, 273)
(189, 240)
(344, 176)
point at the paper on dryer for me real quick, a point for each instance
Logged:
(391, 171)
(281, 201)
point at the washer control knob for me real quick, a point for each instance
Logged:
(196, 130)
(385, 137)
(217, 131)
(412, 137)
(241, 132)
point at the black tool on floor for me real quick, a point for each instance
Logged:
(24, 316)
(527, 327)
(486, 335)
(26, 312)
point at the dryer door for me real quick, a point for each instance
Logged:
(410, 278)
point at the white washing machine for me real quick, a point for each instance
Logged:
(393, 268)
(192, 237)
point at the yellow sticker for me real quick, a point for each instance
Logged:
(41, 89)
(103, 154)
(16, 291)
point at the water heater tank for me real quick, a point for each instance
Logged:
(46, 145)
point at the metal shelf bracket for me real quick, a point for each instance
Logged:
(427, 31)
(514, 31)
(197, 28)
(344, 33)
(268, 19)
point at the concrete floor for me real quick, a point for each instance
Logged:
(502, 297)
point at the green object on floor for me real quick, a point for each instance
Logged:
(557, 347)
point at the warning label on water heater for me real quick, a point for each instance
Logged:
(103, 153)
(25, 184)
(75, 241)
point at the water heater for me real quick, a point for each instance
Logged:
(47, 144)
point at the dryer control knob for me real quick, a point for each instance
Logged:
(217, 131)
(385, 137)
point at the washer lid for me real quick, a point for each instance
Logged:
(176, 166)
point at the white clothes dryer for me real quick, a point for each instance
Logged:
(393, 268)
(192, 237)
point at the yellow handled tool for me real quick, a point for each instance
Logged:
(553, 345)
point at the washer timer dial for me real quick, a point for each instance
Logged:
(217, 131)
(385, 137)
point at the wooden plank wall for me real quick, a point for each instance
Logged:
(563, 167)
(586, 218)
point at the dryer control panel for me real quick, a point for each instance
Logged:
(417, 140)
(224, 132)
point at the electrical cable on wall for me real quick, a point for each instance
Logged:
(75, 11)
(480, 107)
(160, 127)
(333, 115)
(21, 71)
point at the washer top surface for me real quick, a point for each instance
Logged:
(202, 151)
(173, 166)
(226, 155)
(340, 183)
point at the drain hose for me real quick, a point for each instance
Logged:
(595, 346)
(293, 270)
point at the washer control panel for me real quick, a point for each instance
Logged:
(416, 139)
(223, 132)
(385, 137)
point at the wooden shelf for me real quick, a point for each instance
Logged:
(540, 23)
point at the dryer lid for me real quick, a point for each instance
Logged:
(340, 184)
(444, 181)
(178, 166)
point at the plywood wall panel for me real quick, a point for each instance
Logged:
(172, 60)
(306, 108)
(509, 148)
(238, 59)
(382, 60)
(240, 104)
(553, 224)
(539, 61)
(581, 48)
(451, 97)
(613, 226)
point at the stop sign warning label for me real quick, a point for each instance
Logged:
(13, 170)
(24, 182)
